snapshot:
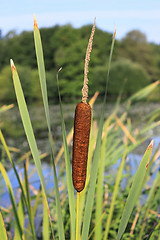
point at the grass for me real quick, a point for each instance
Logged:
(106, 210)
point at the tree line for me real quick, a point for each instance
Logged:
(135, 64)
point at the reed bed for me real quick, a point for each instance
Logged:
(106, 208)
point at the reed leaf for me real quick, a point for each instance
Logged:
(21, 216)
(19, 181)
(6, 108)
(115, 192)
(68, 171)
(3, 233)
(13, 202)
(27, 187)
(155, 233)
(42, 76)
(28, 130)
(41, 70)
(45, 222)
(144, 92)
(99, 191)
(148, 202)
(135, 190)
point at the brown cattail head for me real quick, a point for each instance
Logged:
(82, 123)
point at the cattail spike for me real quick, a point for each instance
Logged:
(82, 124)
(87, 59)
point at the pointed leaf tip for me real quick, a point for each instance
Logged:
(12, 64)
(114, 34)
(150, 145)
(60, 69)
(35, 21)
(157, 82)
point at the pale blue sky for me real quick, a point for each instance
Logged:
(125, 15)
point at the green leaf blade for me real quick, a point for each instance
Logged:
(42, 76)
(20, 184)
(28, 129)
(41, 70)
(68, 172)
(135, 190)
(3, 233)
(13, 202)
(27, 123)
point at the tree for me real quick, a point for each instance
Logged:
(133, 73)
(136, 37)
(29, 80)
(134, 46)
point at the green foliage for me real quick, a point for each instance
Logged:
(65, 47)
(134, 46)
(30, 83)
(6, 85)
(125, 70)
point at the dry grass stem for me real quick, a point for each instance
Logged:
(87, 59)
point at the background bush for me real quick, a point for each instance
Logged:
(65, 47)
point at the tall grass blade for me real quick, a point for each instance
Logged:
(29, 130)
(13, 202)
(94, 170)
(155, 233)
(68, 172)
(99, 191)
(148, 202)
(20, 184)
(135, 190)
(3, 232)
(27, 188)
(35, 206)
(115, 192)
(21, 217)
(45, 222)
(6, 108)
(144, 92)
(41, 69)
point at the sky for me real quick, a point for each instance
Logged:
(125, 15)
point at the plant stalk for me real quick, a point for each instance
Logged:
(77, 218)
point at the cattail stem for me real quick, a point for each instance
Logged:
(77, 218)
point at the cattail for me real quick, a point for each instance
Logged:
(82, 124)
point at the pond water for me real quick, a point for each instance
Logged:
(14, 133)
(133, 160)
(15, 137)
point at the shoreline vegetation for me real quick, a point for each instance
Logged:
(111, 206)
